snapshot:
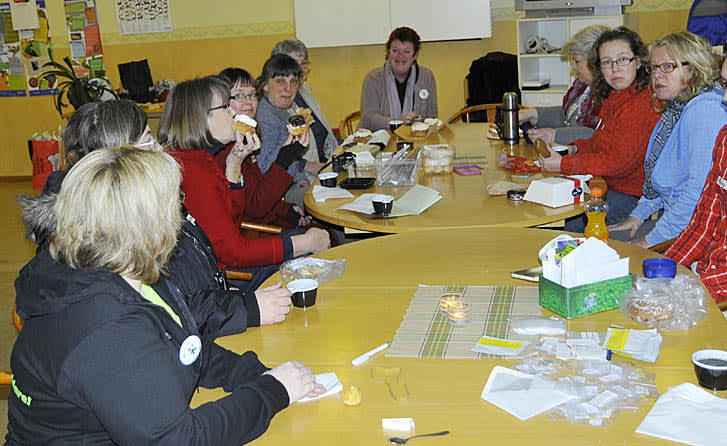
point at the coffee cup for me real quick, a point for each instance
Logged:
(394, 124)
(303, 292)
(382, 204)
(328, 179)
(711, 368)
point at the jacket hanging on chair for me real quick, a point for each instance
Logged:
(489, 78)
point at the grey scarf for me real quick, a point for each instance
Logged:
(395, 108)
(666, 124)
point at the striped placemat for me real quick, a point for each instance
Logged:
(479, 159)
(426, 333)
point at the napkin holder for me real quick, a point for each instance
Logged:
(555, 191)
(583, 299)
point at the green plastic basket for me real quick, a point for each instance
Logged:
(584, 299)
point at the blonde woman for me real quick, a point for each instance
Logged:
(679, 153)
(110, 353)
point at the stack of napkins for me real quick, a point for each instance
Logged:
(589, 261)
(330, 382)
(643, 345)
(418, 199)
(321, 194)
(521, 394)
(687, 414)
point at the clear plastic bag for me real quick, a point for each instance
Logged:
(320, 270)
(665, 304)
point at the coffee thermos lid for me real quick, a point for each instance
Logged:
(509, 100)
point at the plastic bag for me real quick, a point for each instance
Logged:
(309, 268)
(665, 304)
(537, 325)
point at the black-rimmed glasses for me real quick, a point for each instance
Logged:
(621, 62)
(666, 67)
(224, 106)
(241, 97)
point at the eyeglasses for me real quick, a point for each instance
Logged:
(621, 62)
(666, 67)
(241, 97)
(224, 106)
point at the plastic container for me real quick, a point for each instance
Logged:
(596, 210)
(438, 158)
(711, 368)
(396, 172)
(660, 267)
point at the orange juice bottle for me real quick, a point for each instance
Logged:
(596, 210)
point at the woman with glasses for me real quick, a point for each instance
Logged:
(401, 89)
(264, 191)
(617, 148)
(196, 117)
(578, 115)
(679, 154)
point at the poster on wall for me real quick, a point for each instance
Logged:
(12, 78)
(143, 16)
(84, 37)
(36, 48)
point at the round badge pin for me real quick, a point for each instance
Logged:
(190, 349)
(423, 93)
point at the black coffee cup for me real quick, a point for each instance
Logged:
(395, 124)
(382, 204)
(303, 292)
(711, 368)
(328, 179)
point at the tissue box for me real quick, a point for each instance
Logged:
(555, 191)
(584, 299)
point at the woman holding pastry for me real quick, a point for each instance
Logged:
(323, 140)
(401, 89)
(197, 116)
(617, 148)
(280, 125)
(679, 154)
(264, 191)
(579, 115)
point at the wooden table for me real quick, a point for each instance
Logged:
(363, 309)
(465, 201)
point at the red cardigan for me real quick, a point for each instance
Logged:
(219, 211)
(617, 148)
(263, 192)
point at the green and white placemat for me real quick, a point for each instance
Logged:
(425, 332)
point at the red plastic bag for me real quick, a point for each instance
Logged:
(46, 159)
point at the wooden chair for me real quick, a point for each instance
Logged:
(348, 126)
(490, 109)
(252, 230)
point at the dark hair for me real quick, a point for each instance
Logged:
(234, 76)
(404, 34)
(102, 124)
(600, 89)
(279, 65)
(183, 125)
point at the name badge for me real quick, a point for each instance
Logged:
(721, 182)
(190, 349)
(424, 93)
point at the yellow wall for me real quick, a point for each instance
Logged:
(208, 38)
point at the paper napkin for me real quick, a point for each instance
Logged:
(321, 194)
(397, 424)
(330, 382)
(643, 345)
(415, 201)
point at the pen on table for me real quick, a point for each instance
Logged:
(366, 356)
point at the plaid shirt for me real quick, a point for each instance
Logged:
(705, 239)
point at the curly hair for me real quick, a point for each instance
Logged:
(697, 74)
(600, 89)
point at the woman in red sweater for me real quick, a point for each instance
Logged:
(617, 148)
(196, 116)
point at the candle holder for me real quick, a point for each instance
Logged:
(458, 313)
(446, 299)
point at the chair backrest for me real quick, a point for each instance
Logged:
(347, 126)
(464, 114)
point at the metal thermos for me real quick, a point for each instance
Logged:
(510, 128)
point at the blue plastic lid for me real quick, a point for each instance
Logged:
(659, 267)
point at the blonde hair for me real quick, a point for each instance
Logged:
(684, 46)
(582, 41)
(119, 209)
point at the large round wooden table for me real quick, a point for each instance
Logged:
(363, 309)
(465, 200)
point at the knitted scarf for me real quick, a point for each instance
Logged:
(666, 124)
(578, 101)
(395, 108)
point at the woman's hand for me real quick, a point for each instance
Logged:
(552, 163)
(304, 220)
(527, 115)
(547, 135)
(274, 304)
(631, 224)
(314, 240)
(303, 138)
(243, 147)
(408, 117)
(297, 379)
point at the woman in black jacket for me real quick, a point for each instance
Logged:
(110, 352)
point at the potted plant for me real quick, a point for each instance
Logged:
(78, 90)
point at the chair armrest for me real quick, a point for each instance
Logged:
(663, 246)
(238, 275)
(261, 228)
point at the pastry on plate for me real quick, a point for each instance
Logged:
(362, 136)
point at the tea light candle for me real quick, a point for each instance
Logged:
(459, 313)
(446, 299)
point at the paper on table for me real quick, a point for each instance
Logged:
(418, 199)
(321, 194)
(397, 424)
(688, 414)
(521, 394)
(377, 137)
(499, 346)
(592, 261)
(330, 382)
(643, 345)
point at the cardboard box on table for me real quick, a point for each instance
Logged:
(556, 191)
(583, 299)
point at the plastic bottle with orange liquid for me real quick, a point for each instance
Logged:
(596, 210)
